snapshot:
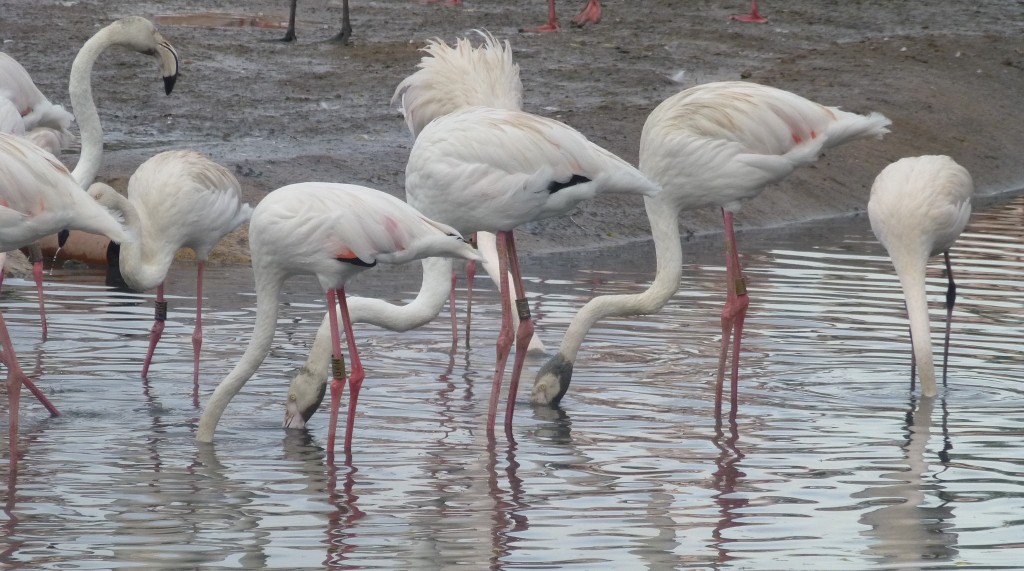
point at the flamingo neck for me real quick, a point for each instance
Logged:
(268, 288)
(912, 277)
(428, 303)
(88, 119)
(668, 250)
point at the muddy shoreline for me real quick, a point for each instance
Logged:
(951, 80)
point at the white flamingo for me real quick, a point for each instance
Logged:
(712, 145)
(918, 208)
(176, 199)
(38, 197)
(334, 232)
(449, 78)
(483, 169)
(44, 122)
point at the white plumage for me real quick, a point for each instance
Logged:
(41, 121)
(918, 208)
(712, 145)
(176, 199)
(333, 232)
(38, 197)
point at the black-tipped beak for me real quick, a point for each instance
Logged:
(169, 83)
(62, 237)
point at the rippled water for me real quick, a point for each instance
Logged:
(831, 463)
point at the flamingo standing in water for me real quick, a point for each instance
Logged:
(39, 197)
(334, 232)
(449, 78)
(176, 199)
(484, 169)
(44, 122)
(712, 145)
(918, 208)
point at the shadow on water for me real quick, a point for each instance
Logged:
(823, 464)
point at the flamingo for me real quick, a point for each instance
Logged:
(175, 199)
(334, 232)
(46, 124)
(38, 196)
(715, 144)
(918, 208)
(754, 17)
(484, 169)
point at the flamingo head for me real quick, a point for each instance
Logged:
(552, 381)
(304, 397)
(139, 34)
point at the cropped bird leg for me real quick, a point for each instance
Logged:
(159, 316)
(338, 374)
(552, 23)
(355, 378)
(754, 17)
(590, 14)
(523, 333)
(733, 314)
(343, 36)
(15, 378)
(197, 333)
(504, 344)
(35, 255)
(470, 275)
(950, 302)
(454, 314)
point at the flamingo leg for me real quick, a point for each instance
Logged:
(35, 255)
(451, 306)
(343, 36)
(754, 17)
(913, 357)
(15, 378)
(552, 23)
(733, 314)
(356, 376)
(504, 344)
(523, 333)
(290, 36)
(159, 317)
(950, 302)
(197, 333)
(470, 275)
(338, 371)
(590, 14)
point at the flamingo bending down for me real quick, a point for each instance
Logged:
(334, 232)
(491, 169)
(712, 145)
(38, 197)
(918, 208)
(42, 123)
(176, 199)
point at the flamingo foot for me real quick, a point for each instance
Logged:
(551, 26)
(590, 14)
(754, 17)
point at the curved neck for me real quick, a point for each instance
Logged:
(427, 304)
(268, 288)
(88, 119)
(665, 231)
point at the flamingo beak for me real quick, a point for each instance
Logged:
(168, 64)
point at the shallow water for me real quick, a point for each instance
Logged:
(831, 463)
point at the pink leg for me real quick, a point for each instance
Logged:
(590, 14)
(523, 334)
(338, 371)
(36, 257)
(754, 17)
(197, 333)
(733, 314)
(470, 276)
(451, 306)
(355, 378)
(505, 335)
(16, 377)
(552, 23)
(160, 315)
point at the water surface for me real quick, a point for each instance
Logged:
(831, 461)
